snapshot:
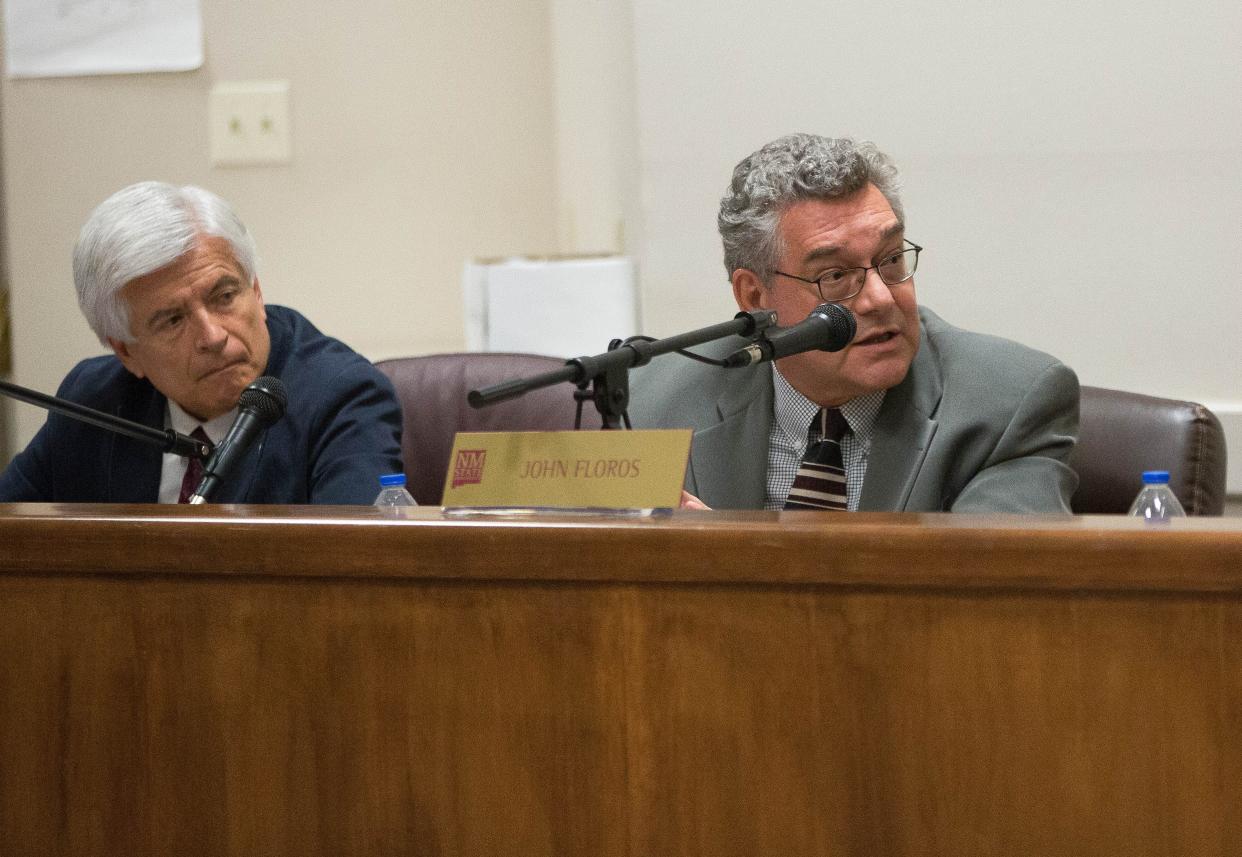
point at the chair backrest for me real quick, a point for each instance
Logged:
(432, 390)
(1123, 434)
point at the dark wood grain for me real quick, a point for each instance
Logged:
(281, 681)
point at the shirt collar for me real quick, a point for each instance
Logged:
(183, 423)
(793, 411)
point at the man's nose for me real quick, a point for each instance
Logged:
(211, 335)
(875, 296)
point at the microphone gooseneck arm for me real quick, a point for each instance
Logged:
(262, 403)
(626, 355)
(167, 439)
(234, 445)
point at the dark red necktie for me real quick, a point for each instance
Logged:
(194, 472)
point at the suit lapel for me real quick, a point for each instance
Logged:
(903, 433)
(729, 460)
(133, 466)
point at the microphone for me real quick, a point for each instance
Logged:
(261, 404)
(829, 327)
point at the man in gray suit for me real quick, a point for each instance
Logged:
(936, 418)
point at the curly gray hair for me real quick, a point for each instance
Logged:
(788, 170)
(140, 229)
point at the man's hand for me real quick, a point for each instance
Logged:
(689, 501)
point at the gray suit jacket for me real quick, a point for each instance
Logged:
(980, 424)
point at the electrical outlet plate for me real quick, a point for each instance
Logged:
(249, 123)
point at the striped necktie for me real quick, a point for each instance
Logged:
(820, 481)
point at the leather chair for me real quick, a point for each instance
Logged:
(432, 390)
(1123, 434)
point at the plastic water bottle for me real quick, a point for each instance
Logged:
(1157, 502)
(392, 493)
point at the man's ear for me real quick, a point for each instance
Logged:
(749, 291)
(258, 293)
(127, 358)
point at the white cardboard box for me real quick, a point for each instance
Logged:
(562, 307)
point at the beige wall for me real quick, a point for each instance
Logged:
(1074, 169)
(423, 134)
(1070, 170)
(596, 131)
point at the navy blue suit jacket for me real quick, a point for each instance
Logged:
(342, 430)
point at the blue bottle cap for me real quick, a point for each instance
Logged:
(1155, 477)
(399, 479)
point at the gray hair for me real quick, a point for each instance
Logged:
(789, 170)
(139, 230)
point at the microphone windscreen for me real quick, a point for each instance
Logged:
(266, 398)
(842, 323)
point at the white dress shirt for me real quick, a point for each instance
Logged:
(173, 470)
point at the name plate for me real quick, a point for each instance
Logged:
(568, 469)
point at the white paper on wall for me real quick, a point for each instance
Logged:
(55, 38)
(559, 307)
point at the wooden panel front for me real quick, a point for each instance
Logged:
(559, 700)
(172, 717)
(933, 724)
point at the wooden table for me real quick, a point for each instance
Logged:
(235, 680)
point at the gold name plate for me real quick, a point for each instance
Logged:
(568, 469)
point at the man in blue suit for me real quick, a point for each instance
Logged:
(166, 277)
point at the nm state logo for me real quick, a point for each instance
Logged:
(468, 468)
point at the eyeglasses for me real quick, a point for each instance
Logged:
(841, 284)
